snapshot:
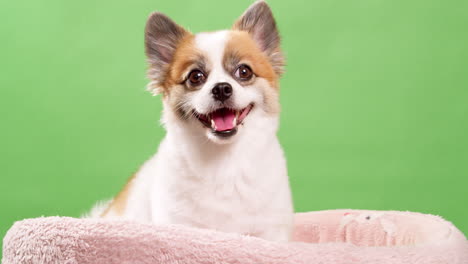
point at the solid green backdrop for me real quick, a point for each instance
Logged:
(374, 102)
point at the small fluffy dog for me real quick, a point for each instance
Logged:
(220, 165)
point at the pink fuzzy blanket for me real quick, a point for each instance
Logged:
(332, 237)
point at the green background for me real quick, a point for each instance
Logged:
(375, 102)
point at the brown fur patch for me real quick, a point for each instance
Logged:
(242, 47)
(185, 55)
(119, 203)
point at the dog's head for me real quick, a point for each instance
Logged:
(217, 83)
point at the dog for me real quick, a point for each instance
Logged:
(220, 165)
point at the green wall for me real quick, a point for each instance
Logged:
(375, 102)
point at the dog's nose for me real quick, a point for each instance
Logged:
(222, 91)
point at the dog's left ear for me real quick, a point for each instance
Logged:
(162, 36)
(258, 20)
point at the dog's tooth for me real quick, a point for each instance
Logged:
(234, 121)
(213, 125)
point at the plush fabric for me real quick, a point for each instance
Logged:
(332, 237)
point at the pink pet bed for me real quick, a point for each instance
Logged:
(331, 237)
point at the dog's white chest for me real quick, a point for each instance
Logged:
(230, 202)
(238, 192)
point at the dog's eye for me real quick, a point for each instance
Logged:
(196, 77)
(243, 73)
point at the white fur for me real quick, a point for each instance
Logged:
(240, 186)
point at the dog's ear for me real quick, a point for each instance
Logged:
(259, 22)
(162, 35)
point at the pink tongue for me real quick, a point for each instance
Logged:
(223, 119)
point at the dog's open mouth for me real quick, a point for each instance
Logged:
(224, 121)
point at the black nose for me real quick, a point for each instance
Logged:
(222, 91)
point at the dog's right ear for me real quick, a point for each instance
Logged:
(259, 22)
(162, 35)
